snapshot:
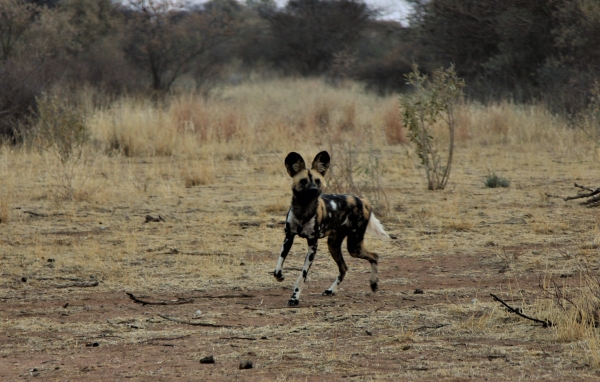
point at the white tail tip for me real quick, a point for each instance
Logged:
(374, 228)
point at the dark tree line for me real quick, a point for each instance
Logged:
(523, 49)
(520, 49)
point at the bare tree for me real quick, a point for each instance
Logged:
(15, 19)
(168, 39)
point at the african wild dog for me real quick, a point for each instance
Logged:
(314, 215)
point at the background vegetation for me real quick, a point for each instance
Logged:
(524, 51)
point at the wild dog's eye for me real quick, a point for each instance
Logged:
(318, 182)
(303, 182)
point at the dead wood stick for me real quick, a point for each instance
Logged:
(179, 301)
(238, 338)
(545, 323)
(150, 218)
(78, 285)
(38, 214)
(290, 307)
(194, 323)
(590, 189)
(225, 296)
(109, 336)
(592, 202)
(436, 326)
(592, 192)
(163, 339)
(43, 214)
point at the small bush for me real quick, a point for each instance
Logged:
(358, 170)
(434, 100)
(203, 177)
(60, 127)
(198, 174)
(494, 181)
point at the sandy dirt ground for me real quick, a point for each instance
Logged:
(204, 268)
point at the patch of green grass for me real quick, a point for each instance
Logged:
(493, 181)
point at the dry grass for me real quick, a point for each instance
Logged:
(394, 130)
(4, 212)
(212, 168)
(198, 174)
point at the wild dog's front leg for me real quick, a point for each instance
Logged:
(310, 257)
(285, 249)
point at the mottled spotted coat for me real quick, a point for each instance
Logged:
(314, 215)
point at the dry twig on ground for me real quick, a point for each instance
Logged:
(83, 284)
(545, 323)
(179, 301)
(592, 194)
(194, 323)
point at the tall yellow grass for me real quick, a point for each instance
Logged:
(280, 115)
(255, 117)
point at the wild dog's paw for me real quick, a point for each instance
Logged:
(279, 276)
(293, 302)
(374, 286)
(328, 293)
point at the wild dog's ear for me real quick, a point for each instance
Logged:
(294, 163)
(321, 162)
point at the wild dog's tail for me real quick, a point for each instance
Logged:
(374, 228)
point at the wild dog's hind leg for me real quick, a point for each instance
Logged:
(285, 249)
(356, 248)
(335, 248)
(310, 257)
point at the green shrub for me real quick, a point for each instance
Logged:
(433, 100)
(493, 181)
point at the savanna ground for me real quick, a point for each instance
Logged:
(74, 239)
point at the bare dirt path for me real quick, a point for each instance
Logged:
(355, 335)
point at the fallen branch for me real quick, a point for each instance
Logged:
(592, 194)
(238, 338)
(150, 218)
(545, 323)
(56, 278)
(207, 254)
(43, 214)
(38, 214)
(163, 339)
(226, 296)
(78, 285)
(194, 323)
(290, 307)
(436, 326)
(179, 301)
